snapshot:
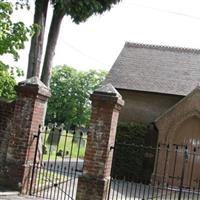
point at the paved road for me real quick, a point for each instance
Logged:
(70, 164)
(67, 188)
(10, 195)
(17, 197)
(6, 194)
(119, 191)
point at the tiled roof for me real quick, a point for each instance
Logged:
(160, 69)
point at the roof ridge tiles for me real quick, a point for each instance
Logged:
(168, 70)
(163, 47)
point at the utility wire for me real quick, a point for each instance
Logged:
(163, 10)
(82, 53)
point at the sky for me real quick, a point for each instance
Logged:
(96, 43)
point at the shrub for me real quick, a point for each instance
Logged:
(129, 155)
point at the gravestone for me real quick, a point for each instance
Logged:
(54, 135)
(78, 136)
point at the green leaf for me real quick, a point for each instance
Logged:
(12, 35)
(70, 90)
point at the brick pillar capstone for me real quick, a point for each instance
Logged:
(32, 95)
(94, 184)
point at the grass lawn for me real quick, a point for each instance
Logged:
(67, 145)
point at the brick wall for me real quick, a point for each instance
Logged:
(6, 118)
(145, 107)
(19, 123)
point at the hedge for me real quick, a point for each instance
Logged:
(131, 158)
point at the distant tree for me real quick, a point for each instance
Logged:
(12, 39)
(22, 3)
(79, 11)
(71, 89)
(7, 82)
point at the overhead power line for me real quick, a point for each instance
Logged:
(163, 10)
(82, 53)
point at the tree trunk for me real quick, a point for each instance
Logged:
(51, 45)
(35, 53)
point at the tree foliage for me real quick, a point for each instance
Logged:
(81, 10)
(71, 89)
(12, 39)
(12, 35)
(7, 82)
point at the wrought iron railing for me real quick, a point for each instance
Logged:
(58, 161)
(166, 172)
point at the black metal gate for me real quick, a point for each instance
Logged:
(58, 161)
(166, 172)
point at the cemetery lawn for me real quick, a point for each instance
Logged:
(67, 146)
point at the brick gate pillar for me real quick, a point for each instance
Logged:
(32, 95)
(94, 184)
